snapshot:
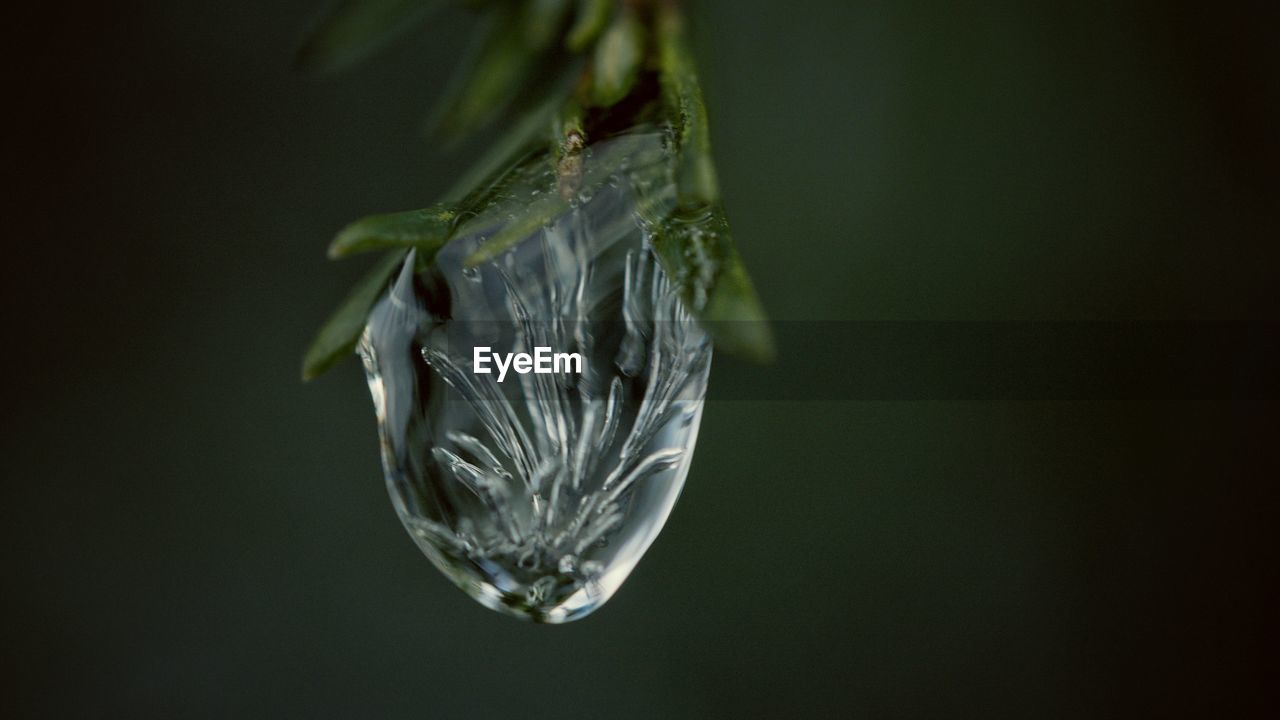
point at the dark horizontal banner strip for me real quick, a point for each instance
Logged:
(1008, 361)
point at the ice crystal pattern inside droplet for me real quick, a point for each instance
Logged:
(537, 495)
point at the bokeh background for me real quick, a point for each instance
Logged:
(190, 531)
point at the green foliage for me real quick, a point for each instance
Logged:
(618, 63)
(543, 21)
(699, 255)
(424, 229)
(338, 336)
(617, 59)
(592, 16)
(695, 246)
(528, 133)
(489, 81)
(536, 214)
(682, 94)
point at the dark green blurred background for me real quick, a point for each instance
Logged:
(191, 531)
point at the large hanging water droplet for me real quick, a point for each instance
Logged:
(538, 494)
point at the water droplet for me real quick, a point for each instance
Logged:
(537, 494)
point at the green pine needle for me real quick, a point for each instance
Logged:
(592, 17)
(696, 177)
(616, 62)
(339, 334)
(537, 214)
(484, 86)
(516, 45)
(425, 229)
(544, 19)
